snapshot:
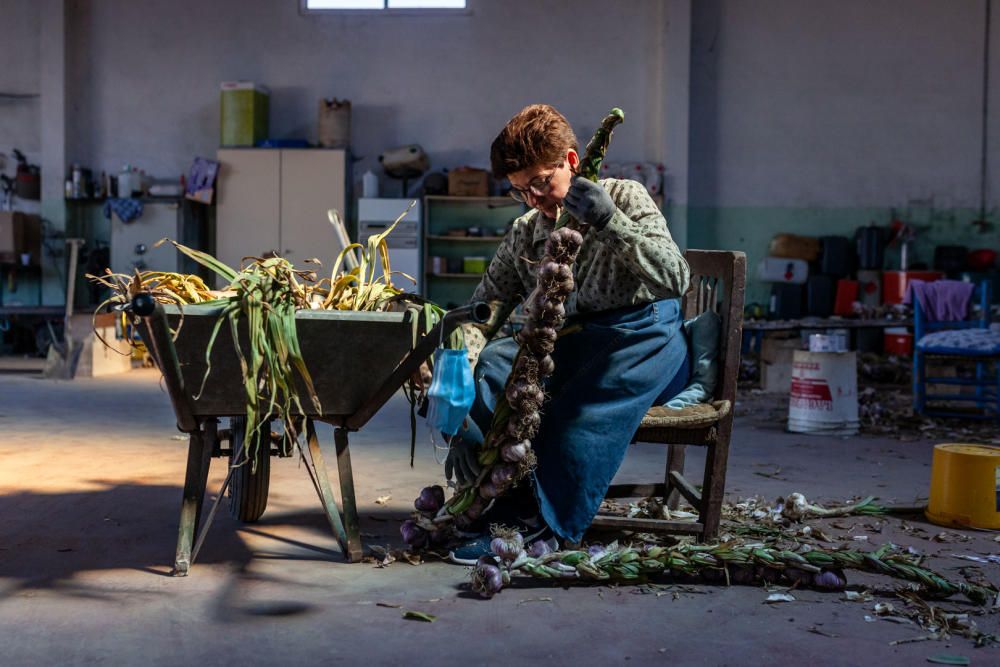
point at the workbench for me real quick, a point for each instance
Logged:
(824, 323)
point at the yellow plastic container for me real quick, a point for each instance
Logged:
(965, 486)
(244, 110)
(473, 264)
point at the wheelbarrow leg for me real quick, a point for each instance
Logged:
(326, 492)
(195, 479)
(347, 494)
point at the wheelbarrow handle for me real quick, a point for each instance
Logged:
(479, 312)
(155, 332)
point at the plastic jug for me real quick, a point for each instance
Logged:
(369, 184)
(871, 247)
(782, 270)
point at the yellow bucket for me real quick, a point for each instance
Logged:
(965, 486)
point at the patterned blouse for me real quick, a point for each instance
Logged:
(633, 260)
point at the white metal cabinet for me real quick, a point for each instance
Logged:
(375, 216)
(312, 182)
(277, 199)
(248, 206)
(132, 242)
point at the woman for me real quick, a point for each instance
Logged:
(626, 351)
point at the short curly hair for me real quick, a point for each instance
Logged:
(537, 135)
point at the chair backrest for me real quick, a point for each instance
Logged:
(922, 324)
(718, 283)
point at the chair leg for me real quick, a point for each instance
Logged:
(714, 486)
(997, 362)
(981, 387)
(675, 462)
(919, 382)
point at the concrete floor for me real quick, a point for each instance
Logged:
(90, 476)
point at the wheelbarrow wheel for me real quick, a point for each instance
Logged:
(251, 477)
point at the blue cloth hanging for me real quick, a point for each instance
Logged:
(126, 209)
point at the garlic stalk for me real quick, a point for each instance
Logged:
(732, 563)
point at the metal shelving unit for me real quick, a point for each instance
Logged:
(492, 216)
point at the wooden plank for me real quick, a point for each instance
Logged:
(635, 490)
(675, 464)
(679, 483)
(653, 525)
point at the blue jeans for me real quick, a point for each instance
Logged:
(606, 377)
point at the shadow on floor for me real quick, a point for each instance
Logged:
(49, 539)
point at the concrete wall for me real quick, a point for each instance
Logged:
(808, 117)
(818, 117)
(20, 23)
(151, 74)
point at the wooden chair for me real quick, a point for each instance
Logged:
(718, 283)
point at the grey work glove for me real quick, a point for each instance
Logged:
(589, 203)
(463, 459)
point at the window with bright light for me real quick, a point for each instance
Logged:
(320, 5)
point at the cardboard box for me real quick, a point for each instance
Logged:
(244, 108)
(776, 364)
(468, 182)
(99, 357)
(20, 238)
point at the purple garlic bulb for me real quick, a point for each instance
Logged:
(488, 489)
(507, 545)
(829, 580)
(503, 475)
(487, 579)
(515, 451)
(413, 535)
(539, 548)
(431, 499)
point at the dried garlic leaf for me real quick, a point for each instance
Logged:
(419, 616)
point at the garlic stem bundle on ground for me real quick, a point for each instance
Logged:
(732, 563)
(797, 508)
(506, 456)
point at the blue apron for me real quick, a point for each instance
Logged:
(607, 375)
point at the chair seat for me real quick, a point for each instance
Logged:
(969, 342)
(691, 417)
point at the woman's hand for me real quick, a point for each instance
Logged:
(463, 460)
(589, 203)
(421, 377)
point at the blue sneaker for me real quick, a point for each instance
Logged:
(469, 552)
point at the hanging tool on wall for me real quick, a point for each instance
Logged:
(63, 357)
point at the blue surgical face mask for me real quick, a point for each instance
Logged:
(452, 391)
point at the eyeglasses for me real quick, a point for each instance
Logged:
(539, 187)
